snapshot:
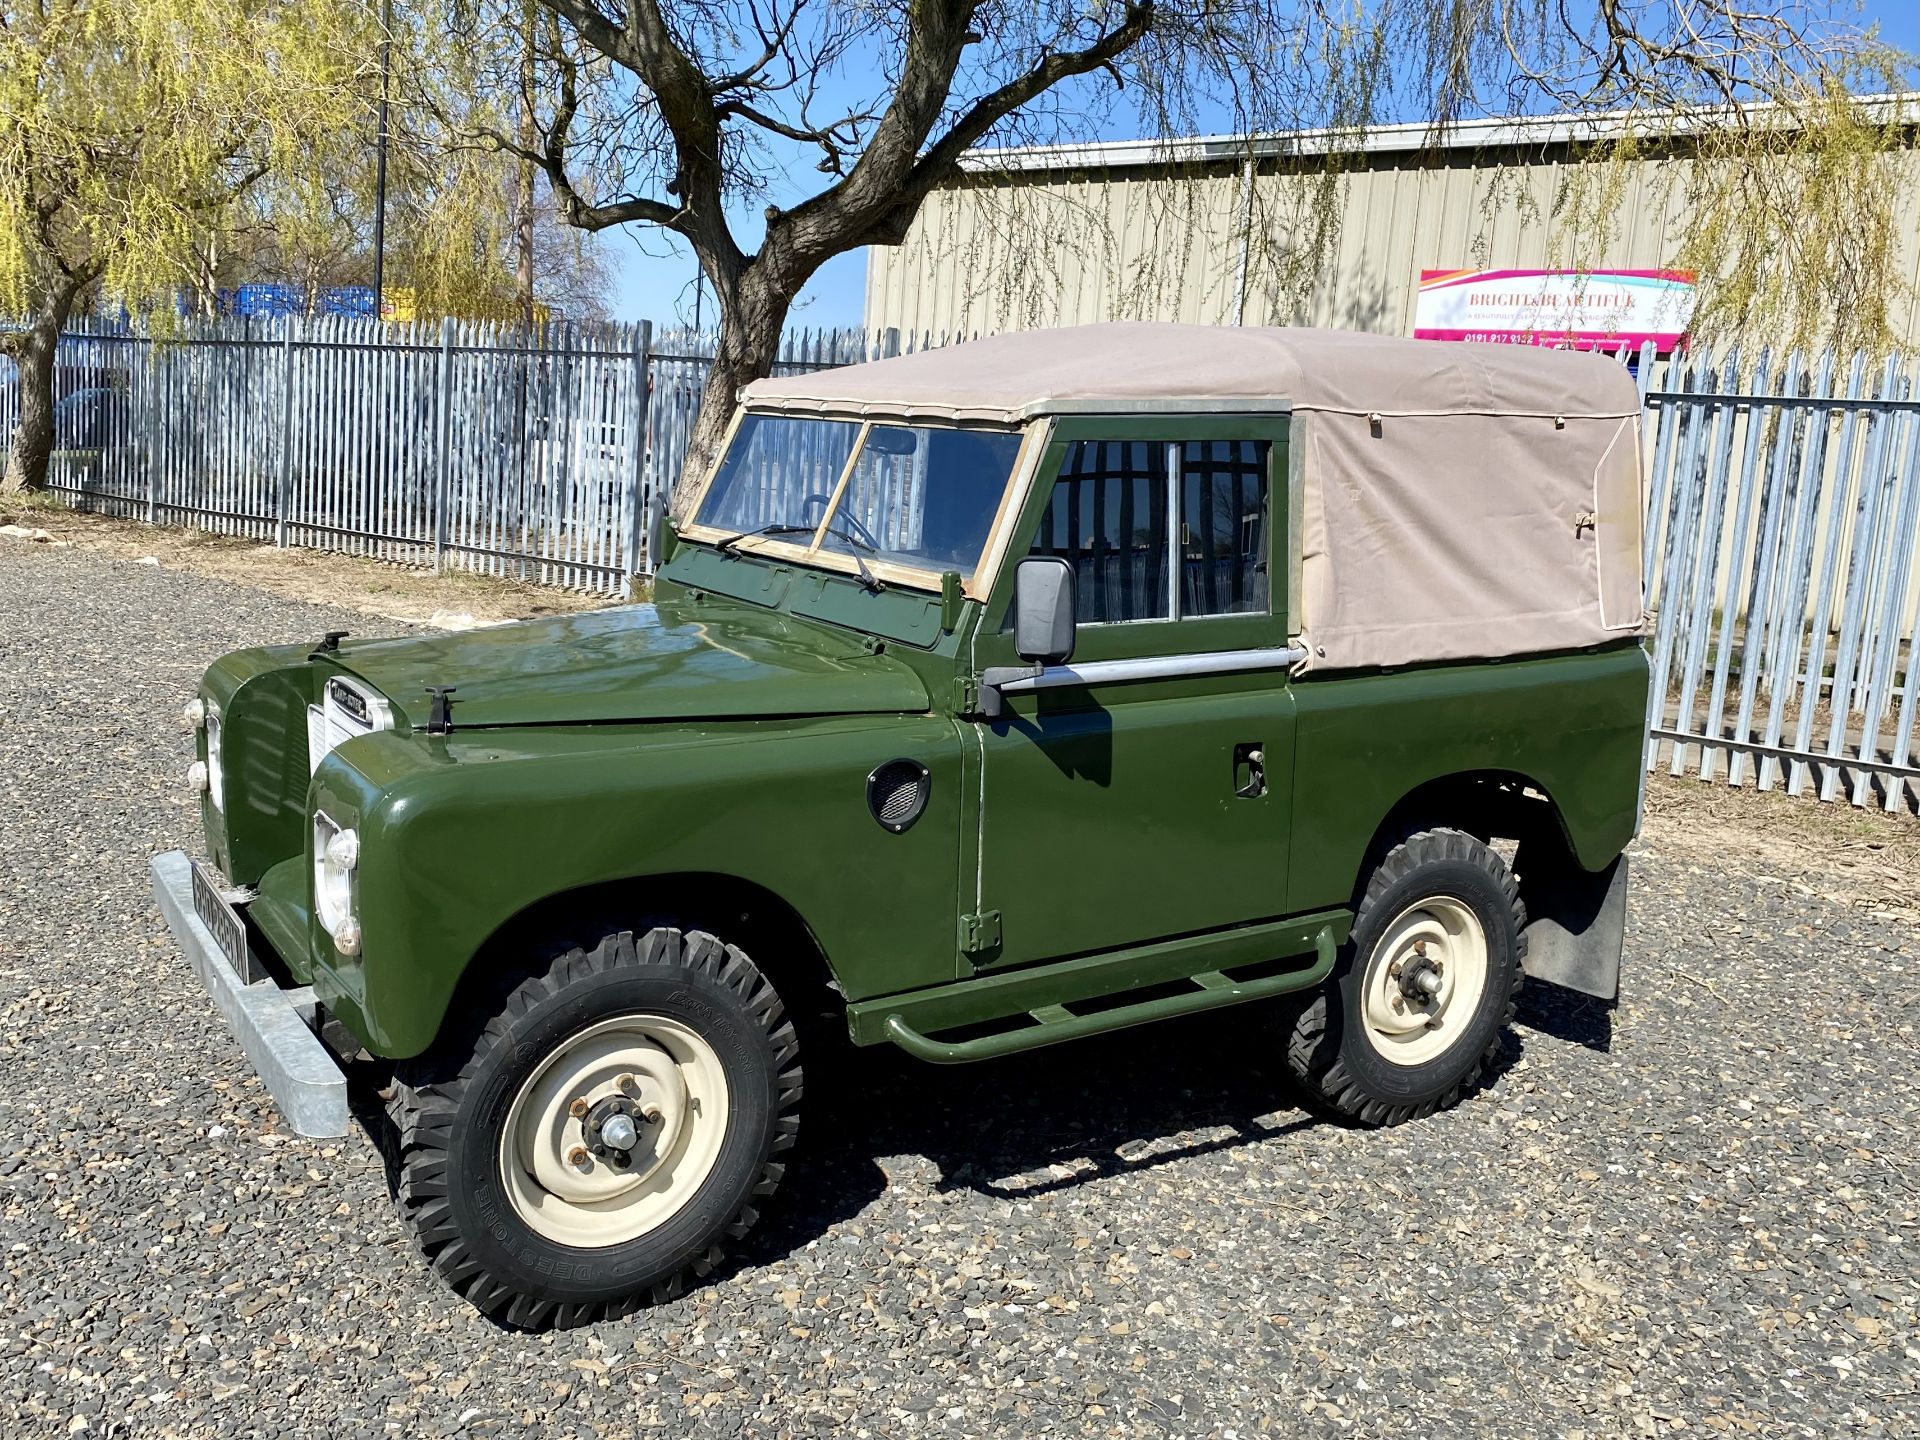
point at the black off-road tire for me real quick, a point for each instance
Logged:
(450, 1106)
(1327, 1051)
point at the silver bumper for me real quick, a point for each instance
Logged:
(274, 1026)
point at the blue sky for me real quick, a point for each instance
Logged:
(654, 273)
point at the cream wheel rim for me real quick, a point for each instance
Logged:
(564, 1172)
(1424, 981)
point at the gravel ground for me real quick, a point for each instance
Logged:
(1695, 1213)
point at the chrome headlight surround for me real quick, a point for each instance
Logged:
(216, 770)
(208, 776)
(336, 858)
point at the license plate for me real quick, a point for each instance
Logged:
(224, 923)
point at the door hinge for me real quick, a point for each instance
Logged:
(966, 695)
(980, 933)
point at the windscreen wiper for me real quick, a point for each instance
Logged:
(855, 544)
(868, 580)
(777, 529)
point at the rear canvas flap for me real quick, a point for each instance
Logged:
(1466, 536)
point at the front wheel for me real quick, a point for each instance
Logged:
(599, 1131)
(1423, 991)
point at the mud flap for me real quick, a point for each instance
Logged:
(1577, 923)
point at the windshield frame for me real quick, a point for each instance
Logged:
(808, 550)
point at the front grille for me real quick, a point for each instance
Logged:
(346, 710)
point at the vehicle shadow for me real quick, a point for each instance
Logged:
(1566, 1015)
(1023, 1126)
(1045, 1121)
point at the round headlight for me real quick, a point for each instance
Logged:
(346, 936)
(197, 775)
(335, 853)
(194, 712)
(343, 849)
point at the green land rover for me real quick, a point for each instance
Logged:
(988, 698)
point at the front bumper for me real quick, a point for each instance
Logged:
(275, 1026)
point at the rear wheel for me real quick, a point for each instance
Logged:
(1423, 991)
(600, 1131)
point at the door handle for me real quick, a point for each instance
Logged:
(1249, 771)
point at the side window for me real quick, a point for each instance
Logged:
(1108, 517)
(1223, 527)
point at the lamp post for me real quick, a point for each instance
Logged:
(380, 164)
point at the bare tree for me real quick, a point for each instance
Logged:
(685, 114)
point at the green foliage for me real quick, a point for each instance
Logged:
(130, 124)
(452, 206)
(1791, 219)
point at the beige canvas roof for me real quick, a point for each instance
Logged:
(1037, 372)
(1450, 501)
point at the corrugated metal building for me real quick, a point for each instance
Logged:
(1150, 230)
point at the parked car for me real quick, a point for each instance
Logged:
(94, 437)
(93, 419)
(991, 697)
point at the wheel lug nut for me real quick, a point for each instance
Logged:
(650, 1113)
(578, 1109)
(578, 1158)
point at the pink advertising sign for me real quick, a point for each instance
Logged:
(1581, 308)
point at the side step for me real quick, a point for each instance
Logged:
(1038, 1002)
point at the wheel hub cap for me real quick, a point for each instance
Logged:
(1421, 981)
(1424, 980)
(614, 1131)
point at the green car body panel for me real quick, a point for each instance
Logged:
(1093, 839)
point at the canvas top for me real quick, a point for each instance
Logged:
(1112, 368)
(1445, 501)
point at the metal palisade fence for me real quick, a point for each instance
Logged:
(1782, 520)
(535, 455)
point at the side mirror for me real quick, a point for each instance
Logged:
(1043, 610)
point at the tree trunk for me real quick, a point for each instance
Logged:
(753, 312)
(32, 445)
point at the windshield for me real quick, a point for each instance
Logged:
(918, 496)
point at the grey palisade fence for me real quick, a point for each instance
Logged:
(1782, 520)
(530, 454)
(1783, 515)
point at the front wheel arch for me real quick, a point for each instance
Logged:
(736, 910)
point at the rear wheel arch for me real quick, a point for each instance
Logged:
(1576, 916)
(1486, 804)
